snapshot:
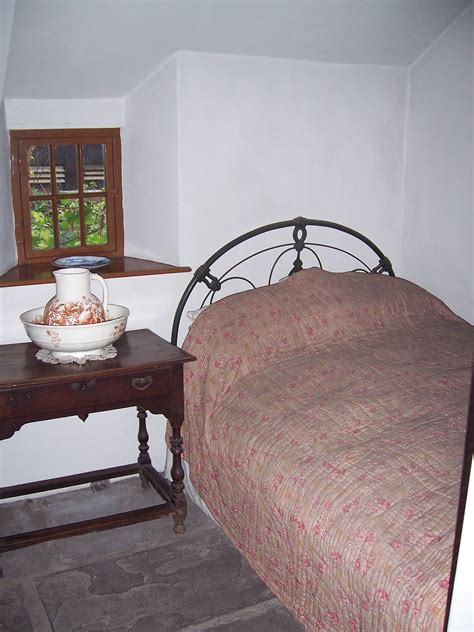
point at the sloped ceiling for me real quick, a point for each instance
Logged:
(105, 48)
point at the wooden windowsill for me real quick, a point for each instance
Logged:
(34, 273)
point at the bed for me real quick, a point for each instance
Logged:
(325, 427)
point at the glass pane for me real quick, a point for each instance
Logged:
(39, 170)
(42, 232)
(95, 211)
(69, 223)
(93, 167)
(65, 157)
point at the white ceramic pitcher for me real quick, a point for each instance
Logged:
(73, 303)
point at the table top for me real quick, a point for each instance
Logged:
(136, 349)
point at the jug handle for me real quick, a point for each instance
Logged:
(105, 290)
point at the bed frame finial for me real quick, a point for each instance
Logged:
(299, 237)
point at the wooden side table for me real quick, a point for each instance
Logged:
(147, 373)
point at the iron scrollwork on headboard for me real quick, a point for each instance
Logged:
(203, 275)
(299, 245)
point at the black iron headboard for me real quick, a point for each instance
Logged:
(299, 245)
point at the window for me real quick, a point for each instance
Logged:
(67, 193)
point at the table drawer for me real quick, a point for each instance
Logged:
(94, 392)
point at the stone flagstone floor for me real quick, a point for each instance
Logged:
(141, 578)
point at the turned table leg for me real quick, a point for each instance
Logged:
(177, 475)
(143, 456)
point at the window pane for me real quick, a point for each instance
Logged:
(65, 157)
(95, 211)
(39, 170)
(69, 223)
(58, 177)
(42, 232)
(93, 165)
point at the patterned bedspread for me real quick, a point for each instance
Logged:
(325, 426)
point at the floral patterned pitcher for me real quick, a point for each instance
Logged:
(73, 303)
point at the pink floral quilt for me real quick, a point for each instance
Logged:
(325, 426)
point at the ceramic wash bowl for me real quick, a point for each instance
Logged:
(79, 340)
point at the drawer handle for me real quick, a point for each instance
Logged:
(142, 383)
(82, 387)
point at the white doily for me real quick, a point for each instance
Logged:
(101, 354)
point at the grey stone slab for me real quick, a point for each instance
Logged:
(16, 517)
(13, 614)
(31, 561)
(84, 503)
(145, 624)
(278, 619)
(20, 609)
(140, 578)
(195, 580)
(57, 555)
(266, 616)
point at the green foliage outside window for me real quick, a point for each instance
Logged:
(41, 225)
(69, 226)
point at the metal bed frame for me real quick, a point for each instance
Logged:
(299, 245)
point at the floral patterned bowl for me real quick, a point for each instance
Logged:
(78, 340)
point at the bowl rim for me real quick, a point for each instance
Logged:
(104, 322)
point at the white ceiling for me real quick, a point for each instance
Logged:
(104, 48)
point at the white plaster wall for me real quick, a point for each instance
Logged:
(255, 141)
(437, 249)
(150, 155)
(65, 446)
(262, 140)
(64, 113)
(438, 224)
(7, 240)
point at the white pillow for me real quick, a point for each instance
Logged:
(194, 313)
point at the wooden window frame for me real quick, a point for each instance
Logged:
(19, 141)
